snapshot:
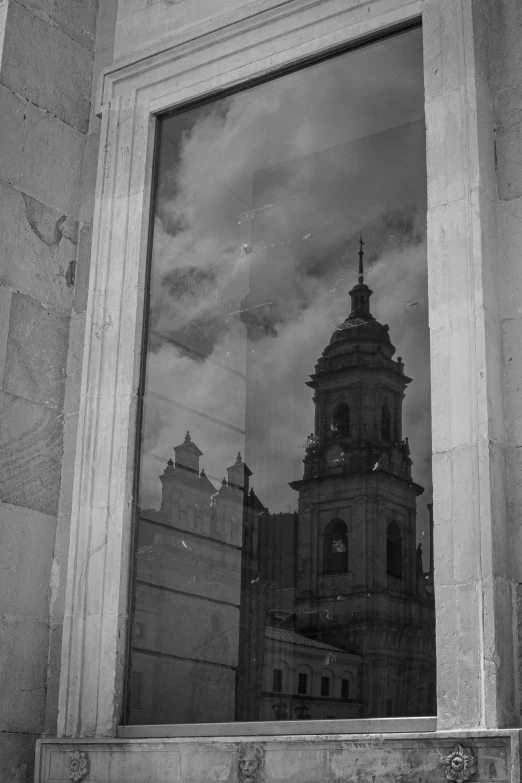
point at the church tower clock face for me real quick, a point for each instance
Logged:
(334, 456)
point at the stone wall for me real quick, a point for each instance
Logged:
(505, 80)
(47, 171)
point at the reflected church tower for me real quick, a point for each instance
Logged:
(359, 582)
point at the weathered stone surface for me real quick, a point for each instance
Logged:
(36, 352)
(5, 307)
(25, 562)
(30, 454)
(12, 118)
(74, 365)
(52, 161)
(360, 759)
(76, 19)
(89, 171)
(17, 757)
(27, 263)
(83, 265)
(509, 220)
(23, 668)
(505, 52)
(57, 76)
(142, 23)
(507, 109)
(53, 678)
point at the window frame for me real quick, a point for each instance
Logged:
(467, 470)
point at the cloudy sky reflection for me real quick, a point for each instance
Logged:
(261, 198)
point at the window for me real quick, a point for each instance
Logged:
(336, 547)
(345, 689)
(137, 679)
(393, 551)
(389, 708)
(288, 233)
(386, 422)
(302, 683)
(325, 686)
(277, 680)
(341, 421)
(431, 707)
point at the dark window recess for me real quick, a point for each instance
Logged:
(341, 421)
(302, 683)
(335, 548)
(325, 686)
(345, 689)
(386, 423)
(393, 551)
(389, 708)
(277, 680)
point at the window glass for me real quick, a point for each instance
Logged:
(325, 686)
(286, 404)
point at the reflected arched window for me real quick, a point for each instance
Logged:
(341, 420)
(386, 422)
(335, 548)
(393, 551)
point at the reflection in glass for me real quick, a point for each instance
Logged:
(279, 567)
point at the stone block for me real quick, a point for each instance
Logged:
(509, 227)
(53, 678)
(36, 352)
(27, 263)
(514, 509)
(69, 452)
(74, 363)
(106, 24)
(57, 75)
(507, 111)
(23, 669)
(449, 259)
(89, 169)
(77, 19)
(446, 154)
(505, 52)
(25, 562)
(30, 454)
(83, 266)
(138, 27)
(12, 119)
(5, 308)
(458, 536)
(512, 379)
(443, 47)
(17, 757)
(102, 59)
(52, 161)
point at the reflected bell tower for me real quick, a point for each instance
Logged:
(358, 586)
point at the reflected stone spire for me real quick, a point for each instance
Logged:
(360, 293)
(361, 254)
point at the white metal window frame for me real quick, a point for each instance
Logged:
(476, 642)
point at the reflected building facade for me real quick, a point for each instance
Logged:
(322, 613)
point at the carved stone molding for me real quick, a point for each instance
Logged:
(459, 764)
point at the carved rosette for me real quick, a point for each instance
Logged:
(77, 765)
(459, 764)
